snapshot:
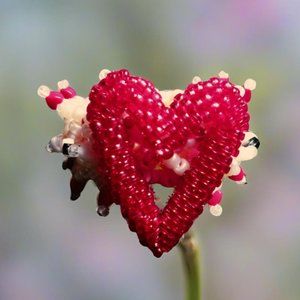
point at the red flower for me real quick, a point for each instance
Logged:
(134, 136)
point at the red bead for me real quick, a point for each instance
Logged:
(54, 99)
(68, 92)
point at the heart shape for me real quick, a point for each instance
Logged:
(132, 126)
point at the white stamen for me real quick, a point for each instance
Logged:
(73, 129)
(68, 141)
(247, 153)
(250, 84)
(216, 210)
(168, 96)
(103, 73)
(241, 89)
(182, 167)
(43, 91)
(177, 164)
(223, 74)
(243, 181)
(63, 84)
(235, 168)
(73, 110)
(173, 162)
(196, 79)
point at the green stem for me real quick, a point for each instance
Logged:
(190, 251)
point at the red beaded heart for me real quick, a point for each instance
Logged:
(135, 134)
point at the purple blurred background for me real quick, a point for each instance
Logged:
(52, 248)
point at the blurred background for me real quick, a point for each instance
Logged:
(52, 248)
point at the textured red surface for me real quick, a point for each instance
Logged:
(133, 131)
(54, 99)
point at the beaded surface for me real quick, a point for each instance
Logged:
(127, 135)
(134, 132)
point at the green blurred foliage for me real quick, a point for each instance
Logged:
(55, 249)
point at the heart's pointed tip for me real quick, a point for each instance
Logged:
(157, 254)
(155, 249)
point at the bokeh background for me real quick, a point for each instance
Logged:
(52, 248)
